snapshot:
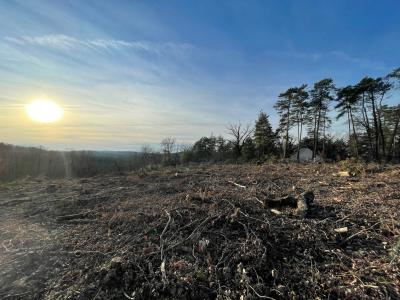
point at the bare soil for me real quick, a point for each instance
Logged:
(190, 233)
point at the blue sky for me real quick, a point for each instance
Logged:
(129, 73)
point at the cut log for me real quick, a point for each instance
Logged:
(301, 203)
(280, 202)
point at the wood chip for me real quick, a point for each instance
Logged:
(343, 174)
(341, 230)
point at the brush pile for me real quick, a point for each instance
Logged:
(212, 232)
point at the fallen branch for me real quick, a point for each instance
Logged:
(72, 217)
(163, 272)
(128, 297)
(191, 235)
(258, 295)
(81, 221)
(237, 184)
(162, 234)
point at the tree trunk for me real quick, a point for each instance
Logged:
(298, 139)
(324, 136)
(287, 128)
(381, 134)
(392, 139)
(317, 134)
(354, 132)
(348, 121)
(376, 127)
(367, 127)
(301, 133)
(314, 134)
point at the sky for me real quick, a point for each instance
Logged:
(129, 73)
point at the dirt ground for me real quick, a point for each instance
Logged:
(191, 233)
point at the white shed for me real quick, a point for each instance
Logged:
(305, 154)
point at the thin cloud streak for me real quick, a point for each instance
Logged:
(65, 42)
(336, 54)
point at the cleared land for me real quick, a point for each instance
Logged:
(190, 233)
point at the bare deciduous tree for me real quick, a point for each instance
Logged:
(239, 134)
(146, 153)
(168, 146)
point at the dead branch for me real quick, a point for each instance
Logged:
(72, 217)
(162, 234)
(237, 184)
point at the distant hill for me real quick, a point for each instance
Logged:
(17, 162)
(115, 154)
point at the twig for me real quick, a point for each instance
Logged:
(95, 296)
(359, 232)
(162, 234)
(258, 200)
(72, 217)
(128, 297)
(163, 272)
(258, 295)
(191, 235)
(237, 184)
(256, 219)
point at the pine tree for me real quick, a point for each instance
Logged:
(348, 98)
(248, 149)
(299, 115)
(373, 92)
(321, 95)
(264, 137)
(284, 109)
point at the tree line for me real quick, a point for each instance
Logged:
(305, 119)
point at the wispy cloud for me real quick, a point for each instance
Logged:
(317, 57)
(65, 42)
(9, 53)
(361, 62)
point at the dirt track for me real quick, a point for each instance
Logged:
(189, 233)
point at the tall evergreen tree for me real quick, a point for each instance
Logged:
(248, 149)
(347, 100)
(373, 92)
(321, 95)
(264, 137)
(300, 108)
(284, 109)
(394, 112)
(395, 123)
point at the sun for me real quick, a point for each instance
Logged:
(44, 111)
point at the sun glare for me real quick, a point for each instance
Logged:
(44, 111)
